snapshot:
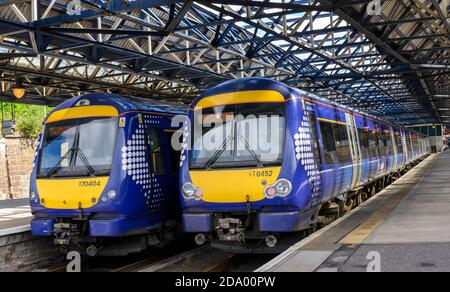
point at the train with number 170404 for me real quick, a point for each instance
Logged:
(102, 179)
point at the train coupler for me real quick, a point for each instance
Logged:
(65, 234)
(231, 229)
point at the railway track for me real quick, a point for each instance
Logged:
(189, 260)
(220, 266)
(129, 263)
(180, 258)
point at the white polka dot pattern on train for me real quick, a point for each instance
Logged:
(135, 164)
(305, 155)
(185, 145)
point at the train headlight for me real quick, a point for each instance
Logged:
(112, 194)
(191, 192)
(270, 192)
(281, 188)
(34, 198)
(188, 191)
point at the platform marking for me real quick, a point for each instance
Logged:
(14, 210)
(290, 252)
(16, 216)
(14, 230)
(361, 233)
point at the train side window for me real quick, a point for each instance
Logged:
(315, 137)
(398, 142)
(156, 151)
(364, 142)
(409, 143)
(329, 147)
(381, 144)
(342, 143)
(388, 143)
(373, 145)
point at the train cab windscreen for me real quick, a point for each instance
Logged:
(78, 147)
(240, 135)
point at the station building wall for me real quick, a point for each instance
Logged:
(16, 162)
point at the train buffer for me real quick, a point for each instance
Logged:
(404, 228)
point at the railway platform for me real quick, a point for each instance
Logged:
(15, 216)
(19, 250)
(404, 228)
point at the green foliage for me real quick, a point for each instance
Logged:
(28, 118)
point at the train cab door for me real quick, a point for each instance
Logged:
(355, 150)
(405, 147)
(316, 179)
(164, 163)
(172, 157)
(395, 149)
(160, 194)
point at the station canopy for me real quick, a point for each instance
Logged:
(389, 60)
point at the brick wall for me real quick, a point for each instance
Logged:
(4, 184)
(16, 161)
(21, 252)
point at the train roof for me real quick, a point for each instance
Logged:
(126, 104)
(255, 83)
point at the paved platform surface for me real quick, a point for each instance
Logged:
(406, 227)
(15, 216)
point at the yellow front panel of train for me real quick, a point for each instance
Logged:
(233, 186)
(240, 97)
(83, 112)
(71, 193)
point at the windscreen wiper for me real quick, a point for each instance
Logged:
(58, 164)
(218, 153)
(252, 153)
(85, 161)
(79, 152)
(73, 152)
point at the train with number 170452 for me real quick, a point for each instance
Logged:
(322, 159)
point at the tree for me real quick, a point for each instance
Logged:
(28, 118)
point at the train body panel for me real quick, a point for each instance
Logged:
(105, 164)
(326, 152)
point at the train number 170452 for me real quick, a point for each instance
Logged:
(261, 173)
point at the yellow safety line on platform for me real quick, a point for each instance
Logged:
(361, 233)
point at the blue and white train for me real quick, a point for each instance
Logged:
(327, 159)
(105, 168)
